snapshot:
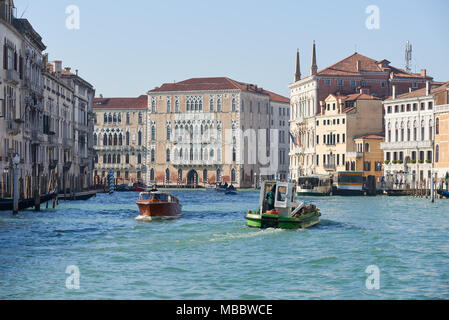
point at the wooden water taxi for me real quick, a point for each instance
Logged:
(285, 213)
(158, 205)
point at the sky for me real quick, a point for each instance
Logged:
(125, 48)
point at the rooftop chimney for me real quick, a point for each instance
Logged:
(359, 65)
(67, 69)
(423, 73)
(58, 66)
(428, 88)
(410, 89)
(76, 72)
(394, 92)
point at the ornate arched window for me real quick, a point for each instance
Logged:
(110, 139)
(153, 132)
(168, 132)
(115, 139)
(233, 175)
(153, 155)
(120, 139)
(105, 140)
(152, 174)
(95, 139)
(110, 118)
(167, 175)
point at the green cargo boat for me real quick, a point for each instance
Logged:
(287, 213)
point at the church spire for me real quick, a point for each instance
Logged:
(298, 67)
(314, 67)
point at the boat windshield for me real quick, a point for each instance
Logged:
(160, 197)
(145, 196)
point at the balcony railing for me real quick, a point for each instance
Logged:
(330, 167)
(354, 155)
(67, 142)
(12, 76)
(406, 145)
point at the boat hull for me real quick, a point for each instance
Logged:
(266, 220)
(163, 210)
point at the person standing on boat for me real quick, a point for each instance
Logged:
(270, 197)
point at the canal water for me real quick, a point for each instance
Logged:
(210, 254)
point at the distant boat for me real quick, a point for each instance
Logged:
(139, 187)
(231, 192)
(444, 193)
(158, 205)
(316, 185)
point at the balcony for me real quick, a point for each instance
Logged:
(354, 155)
(12, 77)
(67, 142)
(406, 145)
(37, 136)
(13, 128)
(330, 167)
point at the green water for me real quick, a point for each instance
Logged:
(210, 254)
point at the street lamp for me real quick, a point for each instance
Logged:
(16, 161)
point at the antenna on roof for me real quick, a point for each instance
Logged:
(24, 10)
(408, 56)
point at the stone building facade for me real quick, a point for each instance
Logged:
(341, 120)
(120, 139)
(33, 99)
(409, 136)
(441, 145)
(209, 130)
(345, 77)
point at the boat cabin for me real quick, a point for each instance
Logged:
(284, 197)
(157, 197)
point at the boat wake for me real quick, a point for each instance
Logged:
(152, 219)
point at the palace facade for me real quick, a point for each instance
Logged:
(209, 130)
(120, 139)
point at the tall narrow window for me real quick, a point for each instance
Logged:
(139, 138)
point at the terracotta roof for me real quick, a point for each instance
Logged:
(422, 92)
(355, 96)
(371, 137)
(348, 67)
(201, 84)
(276, 97)
(217, 83)
(121, 103)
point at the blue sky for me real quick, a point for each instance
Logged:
(125, 48)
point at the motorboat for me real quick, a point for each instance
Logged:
(286, 212)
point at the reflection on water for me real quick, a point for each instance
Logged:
(210, 254)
